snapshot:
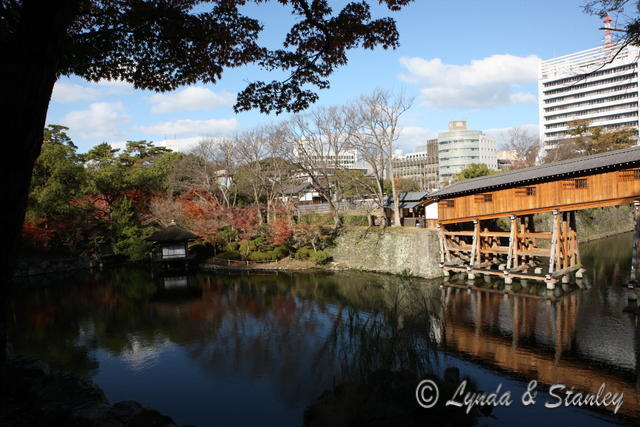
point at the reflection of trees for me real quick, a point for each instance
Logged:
(300, 331)
(395, 333)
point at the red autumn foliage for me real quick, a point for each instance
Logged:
(280, 231)
(205, 216)
(244, 220)
(36, 234)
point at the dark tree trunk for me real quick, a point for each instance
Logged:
(29, 55)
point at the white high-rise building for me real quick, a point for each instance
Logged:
(459, 147)
(599, 84)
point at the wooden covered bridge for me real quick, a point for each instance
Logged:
(472, 242)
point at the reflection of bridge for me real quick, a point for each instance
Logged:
(497, 331)
(471, 241)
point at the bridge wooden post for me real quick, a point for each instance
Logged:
(531, 242)
(445, 256)
(553, 252)
(523, 242)
(575, 248)
(512, 252)
(475, 244)
(636, 246)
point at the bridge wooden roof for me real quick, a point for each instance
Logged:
(588, 165)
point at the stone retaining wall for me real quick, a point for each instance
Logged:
(397, 250)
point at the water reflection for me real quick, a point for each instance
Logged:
(240, 350)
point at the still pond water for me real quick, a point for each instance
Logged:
(240, 350)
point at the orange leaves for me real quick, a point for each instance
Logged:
(37, 235)
(281, 231)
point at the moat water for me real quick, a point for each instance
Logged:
(238, 350)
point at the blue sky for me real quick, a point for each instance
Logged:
(461, 60)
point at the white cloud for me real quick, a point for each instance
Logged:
(413, 136)
(70, 92)
(179, 144)
(184, 128)
(191, 99)
(483, 83)
(502, 134)
(114, 87)
(99, 122)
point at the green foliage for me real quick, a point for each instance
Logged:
(233, 255)
(402, 185)
(355, 220)
(405, 274)
(256, 244)
(586, 140)
(231, 246)
(141, 167)
(304, 252)
(474, 170)
(353, 183)
(58, 175)
(129, 236)
(228, 234)
(321, 257)
(315, 219)
(280, 251)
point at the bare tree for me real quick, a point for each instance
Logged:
(252, 149)
(264, 167)
(524, 144)
(211, 167)
(279, 172)
(163, 211)
(317, 143)
(372, 153)
(380, 114)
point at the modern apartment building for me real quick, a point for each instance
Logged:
(347, 159)
(421, 165)
(459, 147)
(599, 84)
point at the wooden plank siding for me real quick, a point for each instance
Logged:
(596, 190)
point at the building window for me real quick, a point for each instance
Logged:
(526, 191)
(576, 183)
(449, 203)
(581, 182)
(483, 198)
(174, 251)
(629, 175)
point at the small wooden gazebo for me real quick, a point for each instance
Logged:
(171, 243)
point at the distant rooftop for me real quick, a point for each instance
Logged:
(587, 60)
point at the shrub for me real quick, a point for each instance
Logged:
(247, 247)
(280, 251)
(355, 220)
(315, 219)
(228, 234)
(257, 244)
(304, 252)
(260, 256)
(321, 257)
(234, 255)
(231, 247)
